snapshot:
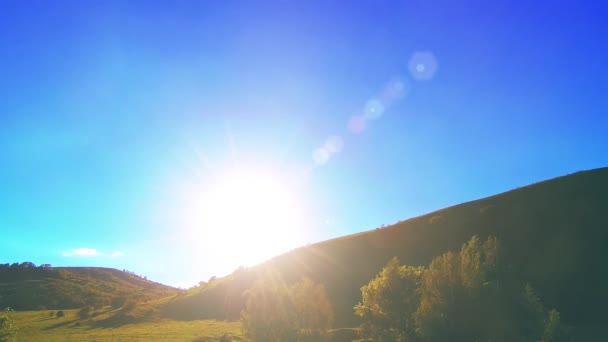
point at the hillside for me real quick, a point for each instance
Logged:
(27, 287)
(554, 233)
(44, 326)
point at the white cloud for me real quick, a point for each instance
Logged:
(88, 252)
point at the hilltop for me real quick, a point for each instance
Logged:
(27, 287)
(553, 231)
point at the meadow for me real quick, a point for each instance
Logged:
(41, 326)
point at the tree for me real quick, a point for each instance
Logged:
(461, 296)
(313, 312)
(268, 314)
(84, 313)
(389, 302)
(8, 331)
(468, 296)
(456, 290)
(275, 312)
(554, 330)
(118, 302)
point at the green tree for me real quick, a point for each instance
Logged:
(461, 296)
(8, 331)
(269, 314)
(457, 290)
(554, 330)
(468, 296)
(313, 311)
(275, 312)
(84, 313)
(389, 302)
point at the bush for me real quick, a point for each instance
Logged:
(276, 312)
(129, 305)
(8, 331)
(390, 301)
(84, 313)
(118, 302)
(60, 313)
(225, 338)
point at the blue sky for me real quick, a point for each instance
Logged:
(112, 112)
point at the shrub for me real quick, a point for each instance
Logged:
(390, 301)
(60, 313)
(8, 331)
(118, 302)
(84, 313)
(225, 338)
(276, 312)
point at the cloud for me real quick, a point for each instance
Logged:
(82, 252)
(88, 252)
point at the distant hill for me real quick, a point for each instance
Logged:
(27, 287)
(554, 233)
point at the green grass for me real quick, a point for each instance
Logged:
(38, 326)
(35, 288)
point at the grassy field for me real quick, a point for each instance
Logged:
(40, 326)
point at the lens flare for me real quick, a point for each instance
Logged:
(334, 144)
(423, 66)
(395, 90)
(320, 156)
(356, 124)
(373, 109)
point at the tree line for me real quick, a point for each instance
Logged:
(25, 264)
(467, 295)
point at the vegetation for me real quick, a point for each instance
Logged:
(37, 326)
(390, 301)
(276, 312)
(8, 331)
(552, 235)
(551, 238)
(27, 287)
(463, 296)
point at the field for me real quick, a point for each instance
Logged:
(40, 326)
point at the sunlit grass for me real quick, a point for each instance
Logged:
(40, 326)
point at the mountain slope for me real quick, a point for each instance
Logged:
(554, 233)
(26, 287)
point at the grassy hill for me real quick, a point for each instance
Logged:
(554, 233)
(26, 287)
(43, 325)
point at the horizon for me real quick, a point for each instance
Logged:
(182, 141)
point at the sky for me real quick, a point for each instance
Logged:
(183, 139)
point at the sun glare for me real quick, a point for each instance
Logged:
(247, 216)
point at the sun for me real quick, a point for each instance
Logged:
(247, 215)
